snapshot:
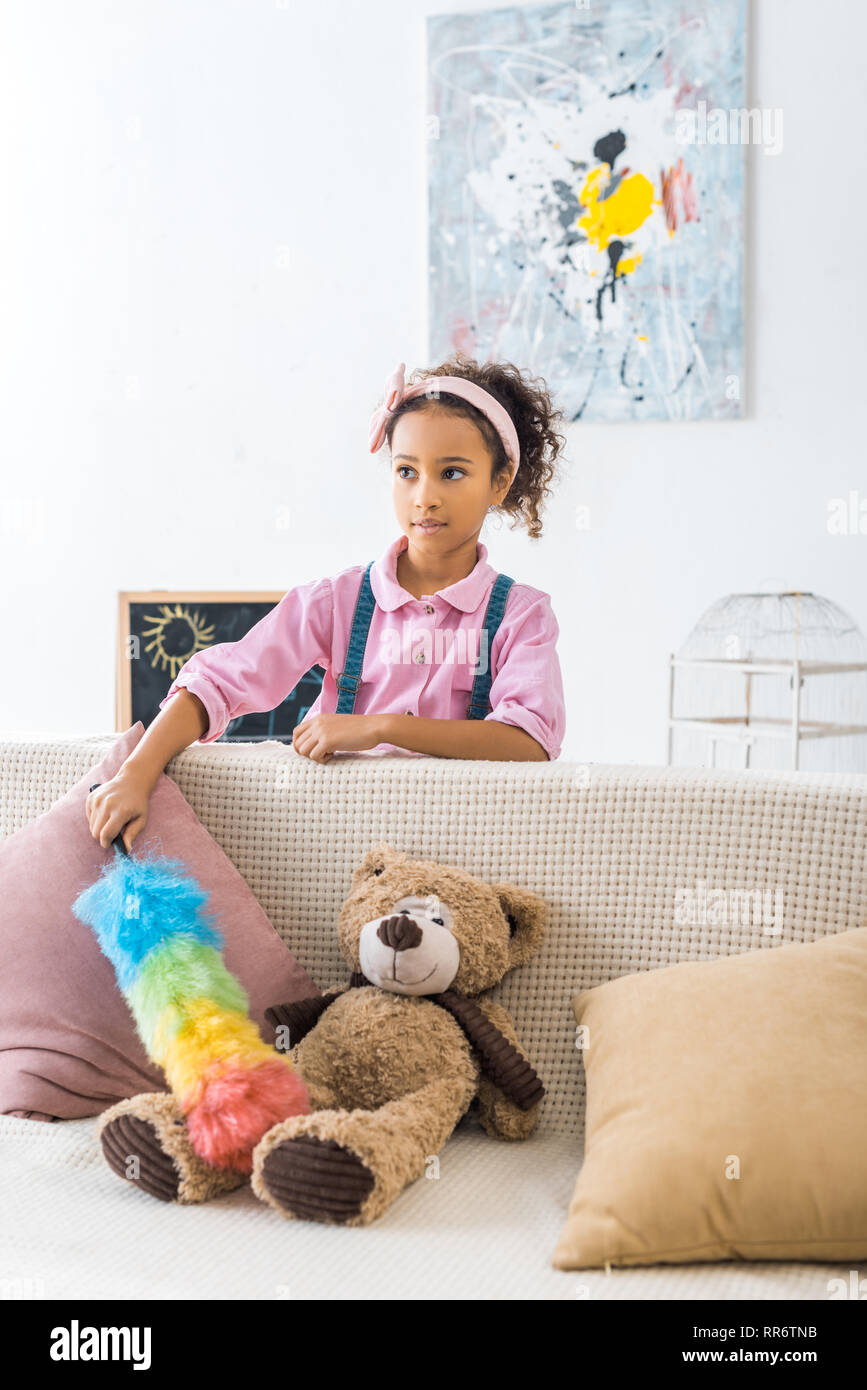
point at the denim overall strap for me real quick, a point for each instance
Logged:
(480, 703)
(350, 677)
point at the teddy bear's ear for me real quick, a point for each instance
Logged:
(375, 859)
(527, 916)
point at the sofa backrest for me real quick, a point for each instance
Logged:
(642, 866)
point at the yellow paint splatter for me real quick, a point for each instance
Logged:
(623, 212)
(628, 264)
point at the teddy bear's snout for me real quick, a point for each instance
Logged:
(411, 948)
(400, 932)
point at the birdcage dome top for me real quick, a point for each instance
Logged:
(789, 626)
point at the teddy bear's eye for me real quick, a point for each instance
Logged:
(380, 870)
(439, 921)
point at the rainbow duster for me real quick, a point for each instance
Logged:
(190, 1012)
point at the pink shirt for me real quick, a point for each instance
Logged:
(418, 659)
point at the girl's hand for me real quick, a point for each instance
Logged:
(320, 737)
(119, 805)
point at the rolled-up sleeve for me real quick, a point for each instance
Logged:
(258, 671)
(527, 689)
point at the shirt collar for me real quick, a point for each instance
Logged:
(467, 594)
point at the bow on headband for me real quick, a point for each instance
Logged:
(396, 392)
(395, 387)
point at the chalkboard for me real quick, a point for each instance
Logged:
(160, 630)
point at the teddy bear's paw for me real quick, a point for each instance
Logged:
(132, 1150)
(316, 1179)
(502, 1119)
(145, 1141)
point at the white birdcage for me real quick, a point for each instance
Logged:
(770, 681)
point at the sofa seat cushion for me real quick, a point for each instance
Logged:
(482, 1225)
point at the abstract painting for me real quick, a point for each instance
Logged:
(582, 224)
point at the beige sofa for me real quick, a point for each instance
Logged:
(609, 847)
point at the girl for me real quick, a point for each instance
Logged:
(426, 650)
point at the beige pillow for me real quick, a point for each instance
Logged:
(726, 1111)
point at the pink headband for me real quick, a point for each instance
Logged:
(396, 392)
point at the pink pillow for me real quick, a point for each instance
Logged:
(68, 1044)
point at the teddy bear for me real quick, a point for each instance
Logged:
(391, 1060)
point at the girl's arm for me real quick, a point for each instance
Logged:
(120, 806)
(259, 670)
(173, 730)
(462, 738)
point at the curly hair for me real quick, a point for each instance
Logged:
(534, 416)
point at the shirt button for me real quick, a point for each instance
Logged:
(428, 608)
(409, 711)
(419, 656)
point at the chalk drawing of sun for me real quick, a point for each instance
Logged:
(177, 633)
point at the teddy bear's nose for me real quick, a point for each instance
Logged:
(400, 932)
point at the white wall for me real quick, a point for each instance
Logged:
(212, 252)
